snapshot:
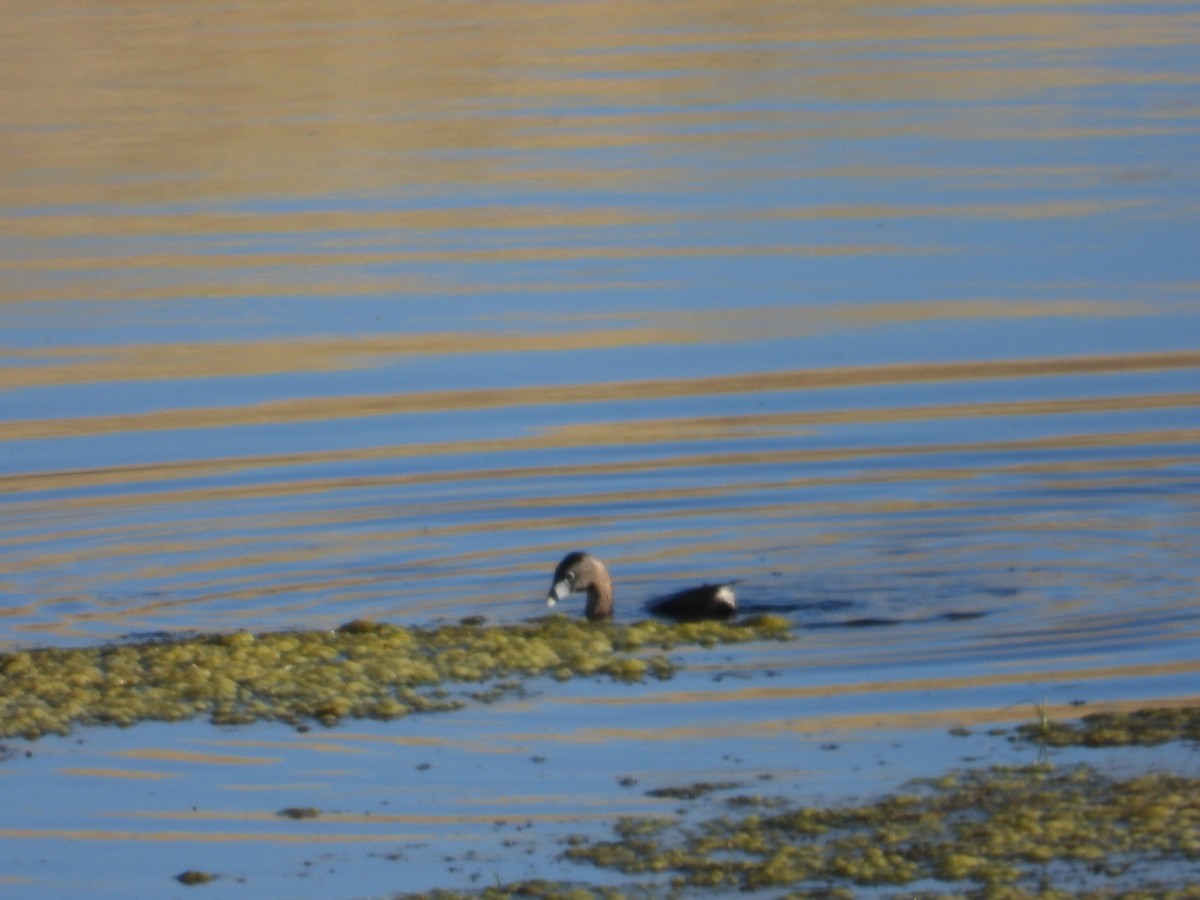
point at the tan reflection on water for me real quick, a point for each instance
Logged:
(498, 217)
(856, 723)
(909, 685)
(321, 408)
(1155, 442)
(82, 365)
(632, 432)
(238, 552)
(325, 88)
(131, 774)
(1149, 439)
(487, 818)
(521, 254)
(126, 277)
(183, 756)
(347, 739)
(209, 837)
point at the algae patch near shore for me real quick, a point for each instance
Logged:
(1143, 727)
(992, 827)
(1006, 832)
(360, 670)
(1028, 832)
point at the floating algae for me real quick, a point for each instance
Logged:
(1004, 832)
(194, 876)
(361, 670)
(1141, 728)
(691, 791)
(299, 812)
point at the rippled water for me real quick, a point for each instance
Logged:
(308, 314)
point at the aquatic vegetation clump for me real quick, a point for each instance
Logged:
(1142, 728)
(360, 670)
(194, 876)
(299, 812)
(691, 791)
(994, 832)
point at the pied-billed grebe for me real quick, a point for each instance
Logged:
(581, 571)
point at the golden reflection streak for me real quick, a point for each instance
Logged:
(912, 685)
(232, 263)
(87, 364)
(632, 432)
(405, 740)
(488, 818)
(187, 756)
(516, 219)
(816, 723)
(852, 722)
(304, 583)
(316, 746)
(492, 84)
(297, 281)
(274, 786)
(912, 23)
(210, 360)
(807, 318)
(333, 408)
(99, 772)
(224, 837)
(763, 425)
(1159, 438)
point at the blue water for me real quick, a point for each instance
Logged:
(888, 312)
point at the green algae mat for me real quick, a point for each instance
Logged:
(1005, 832)
(1009, 833)
(1140, 728)
(360, 670)
(1036, 832)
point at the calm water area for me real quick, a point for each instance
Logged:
(312, 312)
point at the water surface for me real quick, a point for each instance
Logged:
(888, 311)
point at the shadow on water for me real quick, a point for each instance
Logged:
(876, 622)
(804, 612)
